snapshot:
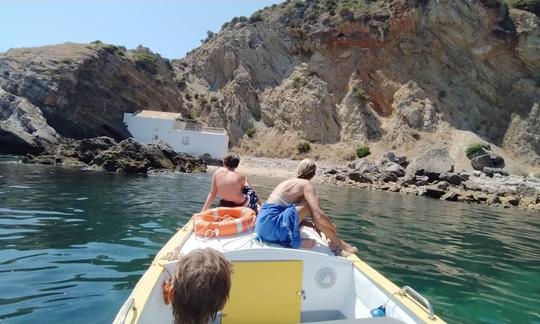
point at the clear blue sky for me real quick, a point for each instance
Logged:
(169, 27)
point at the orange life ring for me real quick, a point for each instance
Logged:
(223, 221)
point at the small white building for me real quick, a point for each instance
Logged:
(184, 136)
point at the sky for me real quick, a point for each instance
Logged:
(169, 27)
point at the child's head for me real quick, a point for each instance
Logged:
(201, 286)
(231, 161)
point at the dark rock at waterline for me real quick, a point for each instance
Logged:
(432, 192)
(359, 177)
(128, 156)
(209, 160)
(450, 196)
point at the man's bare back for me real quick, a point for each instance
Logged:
(229, 185)
(292, 191)
(301, 192)
(232, 187)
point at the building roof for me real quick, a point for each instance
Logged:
(158, 114)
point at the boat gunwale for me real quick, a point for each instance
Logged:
(142, 291)
(410, 305)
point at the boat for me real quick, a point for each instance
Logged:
(273, 284)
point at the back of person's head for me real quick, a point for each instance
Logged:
(231, 161)
(201, 286)
(306, 169)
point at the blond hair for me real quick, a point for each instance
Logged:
(306, 169)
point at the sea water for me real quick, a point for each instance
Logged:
(74, 243)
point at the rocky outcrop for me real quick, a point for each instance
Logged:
(496, 188)
(432, 163)
(302, 104)
(23, 129)
(78, 91)
(128, 156)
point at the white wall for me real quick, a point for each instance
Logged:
(148, 129)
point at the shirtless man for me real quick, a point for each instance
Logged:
(232, 187)
(288, 205)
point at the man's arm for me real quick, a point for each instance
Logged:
(211, 195)
(321, 220)
(312, 200)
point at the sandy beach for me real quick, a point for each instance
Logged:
(276, 168)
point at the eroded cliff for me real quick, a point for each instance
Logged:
(401, 74)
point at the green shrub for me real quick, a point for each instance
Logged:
(114, 50)
(475, 147)
(96, 42)
(146, 62)
(250, 132)
(257, 16)
(192, 115)
(359, 93)
(214, 99)
(303, 147)
(362, 151)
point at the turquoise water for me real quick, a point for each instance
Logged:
(73, 243)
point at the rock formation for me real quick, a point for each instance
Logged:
(378, 70)
(395, 73)
(78, 91)
(128, 156)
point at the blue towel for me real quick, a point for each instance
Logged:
(278, 224)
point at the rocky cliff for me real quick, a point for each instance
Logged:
(78, 91)
(401, 74)
(396, 73)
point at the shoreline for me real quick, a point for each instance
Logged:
(502, 191)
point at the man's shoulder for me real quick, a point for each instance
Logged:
(302, 182)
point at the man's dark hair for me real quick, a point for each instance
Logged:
(201, 286)
(231, 161)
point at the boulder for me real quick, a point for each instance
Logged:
(432, 163)
(452, 178)
(493, 171)
(432, 192)
(488, 160)
(480, 162)
(390, 156)
(421, 180)
(394, 169)
(450, 196)
(209, 160)
(387, 177)
(364, 166)
(359, 177)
